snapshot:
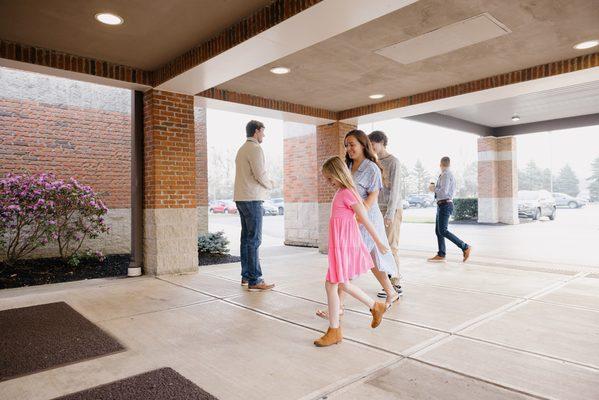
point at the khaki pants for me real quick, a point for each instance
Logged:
(393, 231)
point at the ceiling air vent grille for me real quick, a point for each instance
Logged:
(446, 39)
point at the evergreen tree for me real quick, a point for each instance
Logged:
(404, 180)
(531, 178)
(566, 181)
(546, 180)
(421, 177)
(469, 185)
(594, 180)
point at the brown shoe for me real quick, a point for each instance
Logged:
(467, 253)
(377, 313)
(436, 258)
(244, 282)
(333, 336)
(260, 287)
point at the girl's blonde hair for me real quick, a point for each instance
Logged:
(337, 169)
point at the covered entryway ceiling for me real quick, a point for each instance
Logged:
(153, 34)
(341, 72)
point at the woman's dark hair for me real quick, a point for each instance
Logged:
(252, 127)
(365, 142)
(378, 137)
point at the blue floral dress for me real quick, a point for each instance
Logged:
(368, 179)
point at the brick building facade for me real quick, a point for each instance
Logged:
(82, 130)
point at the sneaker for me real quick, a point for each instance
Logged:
(244, 282)
(260, 287)
(383, 295)
(398, 289)
(436, 258)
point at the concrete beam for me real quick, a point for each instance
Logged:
(450, 122)
(546, 126)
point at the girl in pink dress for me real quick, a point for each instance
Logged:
(348, 255)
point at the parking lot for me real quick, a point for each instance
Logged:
(571, 238)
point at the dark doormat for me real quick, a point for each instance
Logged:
(160, 384)
(46, 336)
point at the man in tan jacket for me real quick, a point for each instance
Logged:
(251, 189)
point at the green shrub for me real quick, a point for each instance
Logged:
(465, 209)
(215, 243)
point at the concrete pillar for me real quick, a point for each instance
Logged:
(329, 142)
(497, 180)
(299, 185)
(170, 192)
(201, 151)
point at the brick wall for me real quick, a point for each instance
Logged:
(169, 142)
(94, 146)
(299, 184)
(300, 168)
(329, 143)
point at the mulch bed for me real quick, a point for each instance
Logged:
(160, 384)
(46, 336)
(41, 271)
(211, 259)
(52, 270)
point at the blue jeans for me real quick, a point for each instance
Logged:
(444, 211)
(251, 238)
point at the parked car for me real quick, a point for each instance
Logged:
(269, 208)
(222, 207)
(536, 204)
(565, 200)
(405, 204)
(420, 200)
(278, 201)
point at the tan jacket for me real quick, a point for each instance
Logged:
(251, 180)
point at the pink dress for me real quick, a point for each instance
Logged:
(348, 255)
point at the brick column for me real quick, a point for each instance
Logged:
(170, 193)
(497, 180)
(329, 142)
(299, 184)
(201, 151)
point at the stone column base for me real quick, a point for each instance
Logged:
(324, 213)
(492, 210)
(170, 241)
(301, 224)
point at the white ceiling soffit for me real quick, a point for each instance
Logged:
(317, 23)
(258, 111)
(446, 39)
(482, 96)
(570, 101)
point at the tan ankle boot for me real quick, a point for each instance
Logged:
(333, 336)
(377, 313)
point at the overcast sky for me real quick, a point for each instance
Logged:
(577, 147)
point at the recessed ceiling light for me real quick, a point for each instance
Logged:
(376, 96)
(586, 45)
(109, 19)
(280, 70)
(515, 118)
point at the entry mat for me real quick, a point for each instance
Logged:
(159, 384)
(46, 336)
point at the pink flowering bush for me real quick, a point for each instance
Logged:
(38, 209)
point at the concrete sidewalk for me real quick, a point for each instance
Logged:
(474, 331)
